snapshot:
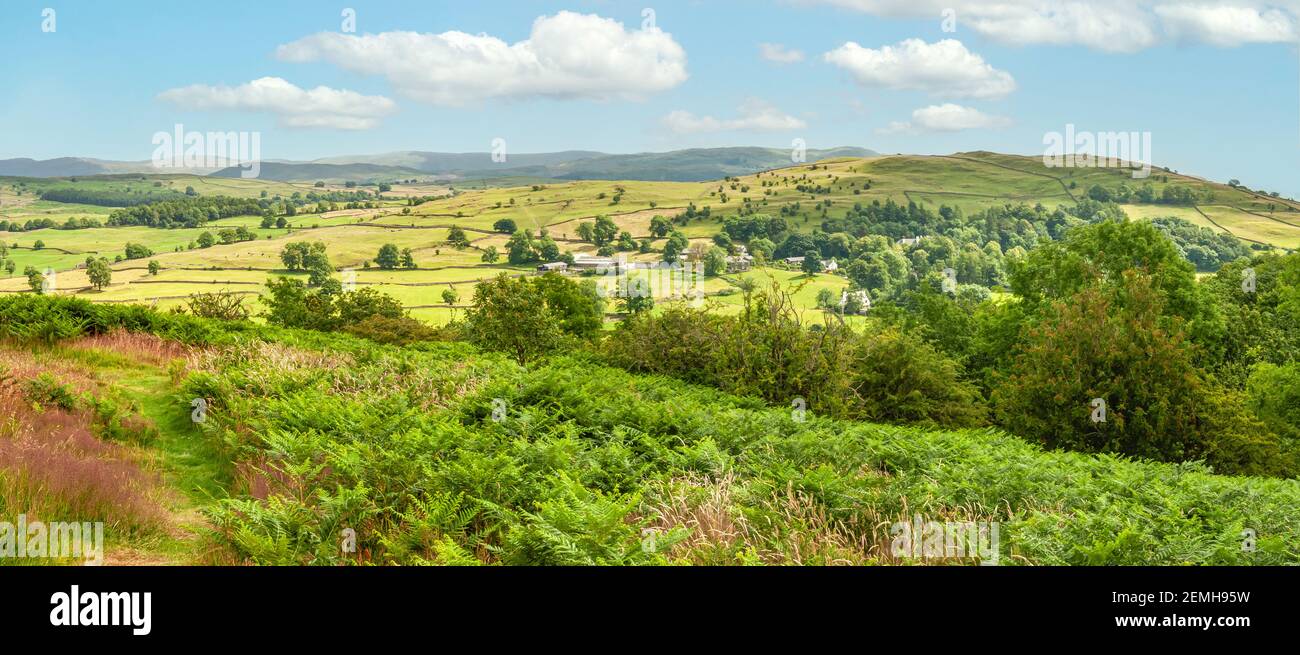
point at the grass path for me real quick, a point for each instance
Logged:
(191, 464)
(193, 471)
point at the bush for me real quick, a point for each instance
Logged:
(1115, 343)
(223, 305)
(399, 331)
(528, 318)
(881, 374)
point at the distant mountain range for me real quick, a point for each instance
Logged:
(676, 166)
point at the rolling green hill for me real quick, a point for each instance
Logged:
(441, 454)
(833, 188)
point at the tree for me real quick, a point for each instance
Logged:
(137, 251)
(586, 232)
(319, 271)
(826, 299)
(408, 259)
(530, 317)
(812, 263)
(715, 262)
(510, 316)
(99, 273)
(449, 296)
(520, 248)
(505, 225)
(456, 237)
(11, 266)
(38, 245)
(35, 281)
(154, 267)
(676, 245)
(206, 240)
(605, 231)
(292, 254)
(626, 242)
(1112, 346)
(1102, 252)
(389, 257)
(290, 304)
(660, 227)
(490, 254)
(636, 302)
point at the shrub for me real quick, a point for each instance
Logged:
(401, 330)
(223, 305)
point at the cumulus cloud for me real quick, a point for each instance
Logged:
(1107, 25)
(566, 56)
(295, 106)
(779, 54)
(944, 68)
(755, 116)
(947, 117)
(1226, 26)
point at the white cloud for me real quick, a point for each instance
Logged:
(296, 107)
(567, 55)
(945, 68)
(1226, 26)
(777, 53)
(755, 116)
(947, 117)
(1107, 25)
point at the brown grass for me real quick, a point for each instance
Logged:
(804, 532)
(53, 467)
(138, 346)
(796, 530)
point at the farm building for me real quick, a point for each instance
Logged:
(592, 263)
(862, 297)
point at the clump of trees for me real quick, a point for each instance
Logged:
(365, 312)
(309, 257)
(391, 258)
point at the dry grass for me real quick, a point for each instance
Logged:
(137, 346)
(795, 528)
(53, 467)
(802, 531)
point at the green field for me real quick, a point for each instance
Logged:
(969, 181)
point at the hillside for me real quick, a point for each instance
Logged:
(971, 182)
(292, 172)
(440, 454)
(682, 165)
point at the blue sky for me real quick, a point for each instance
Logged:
(1219, 102)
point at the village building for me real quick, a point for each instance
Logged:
(741, 261)
(862, 297)
(593, 263)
